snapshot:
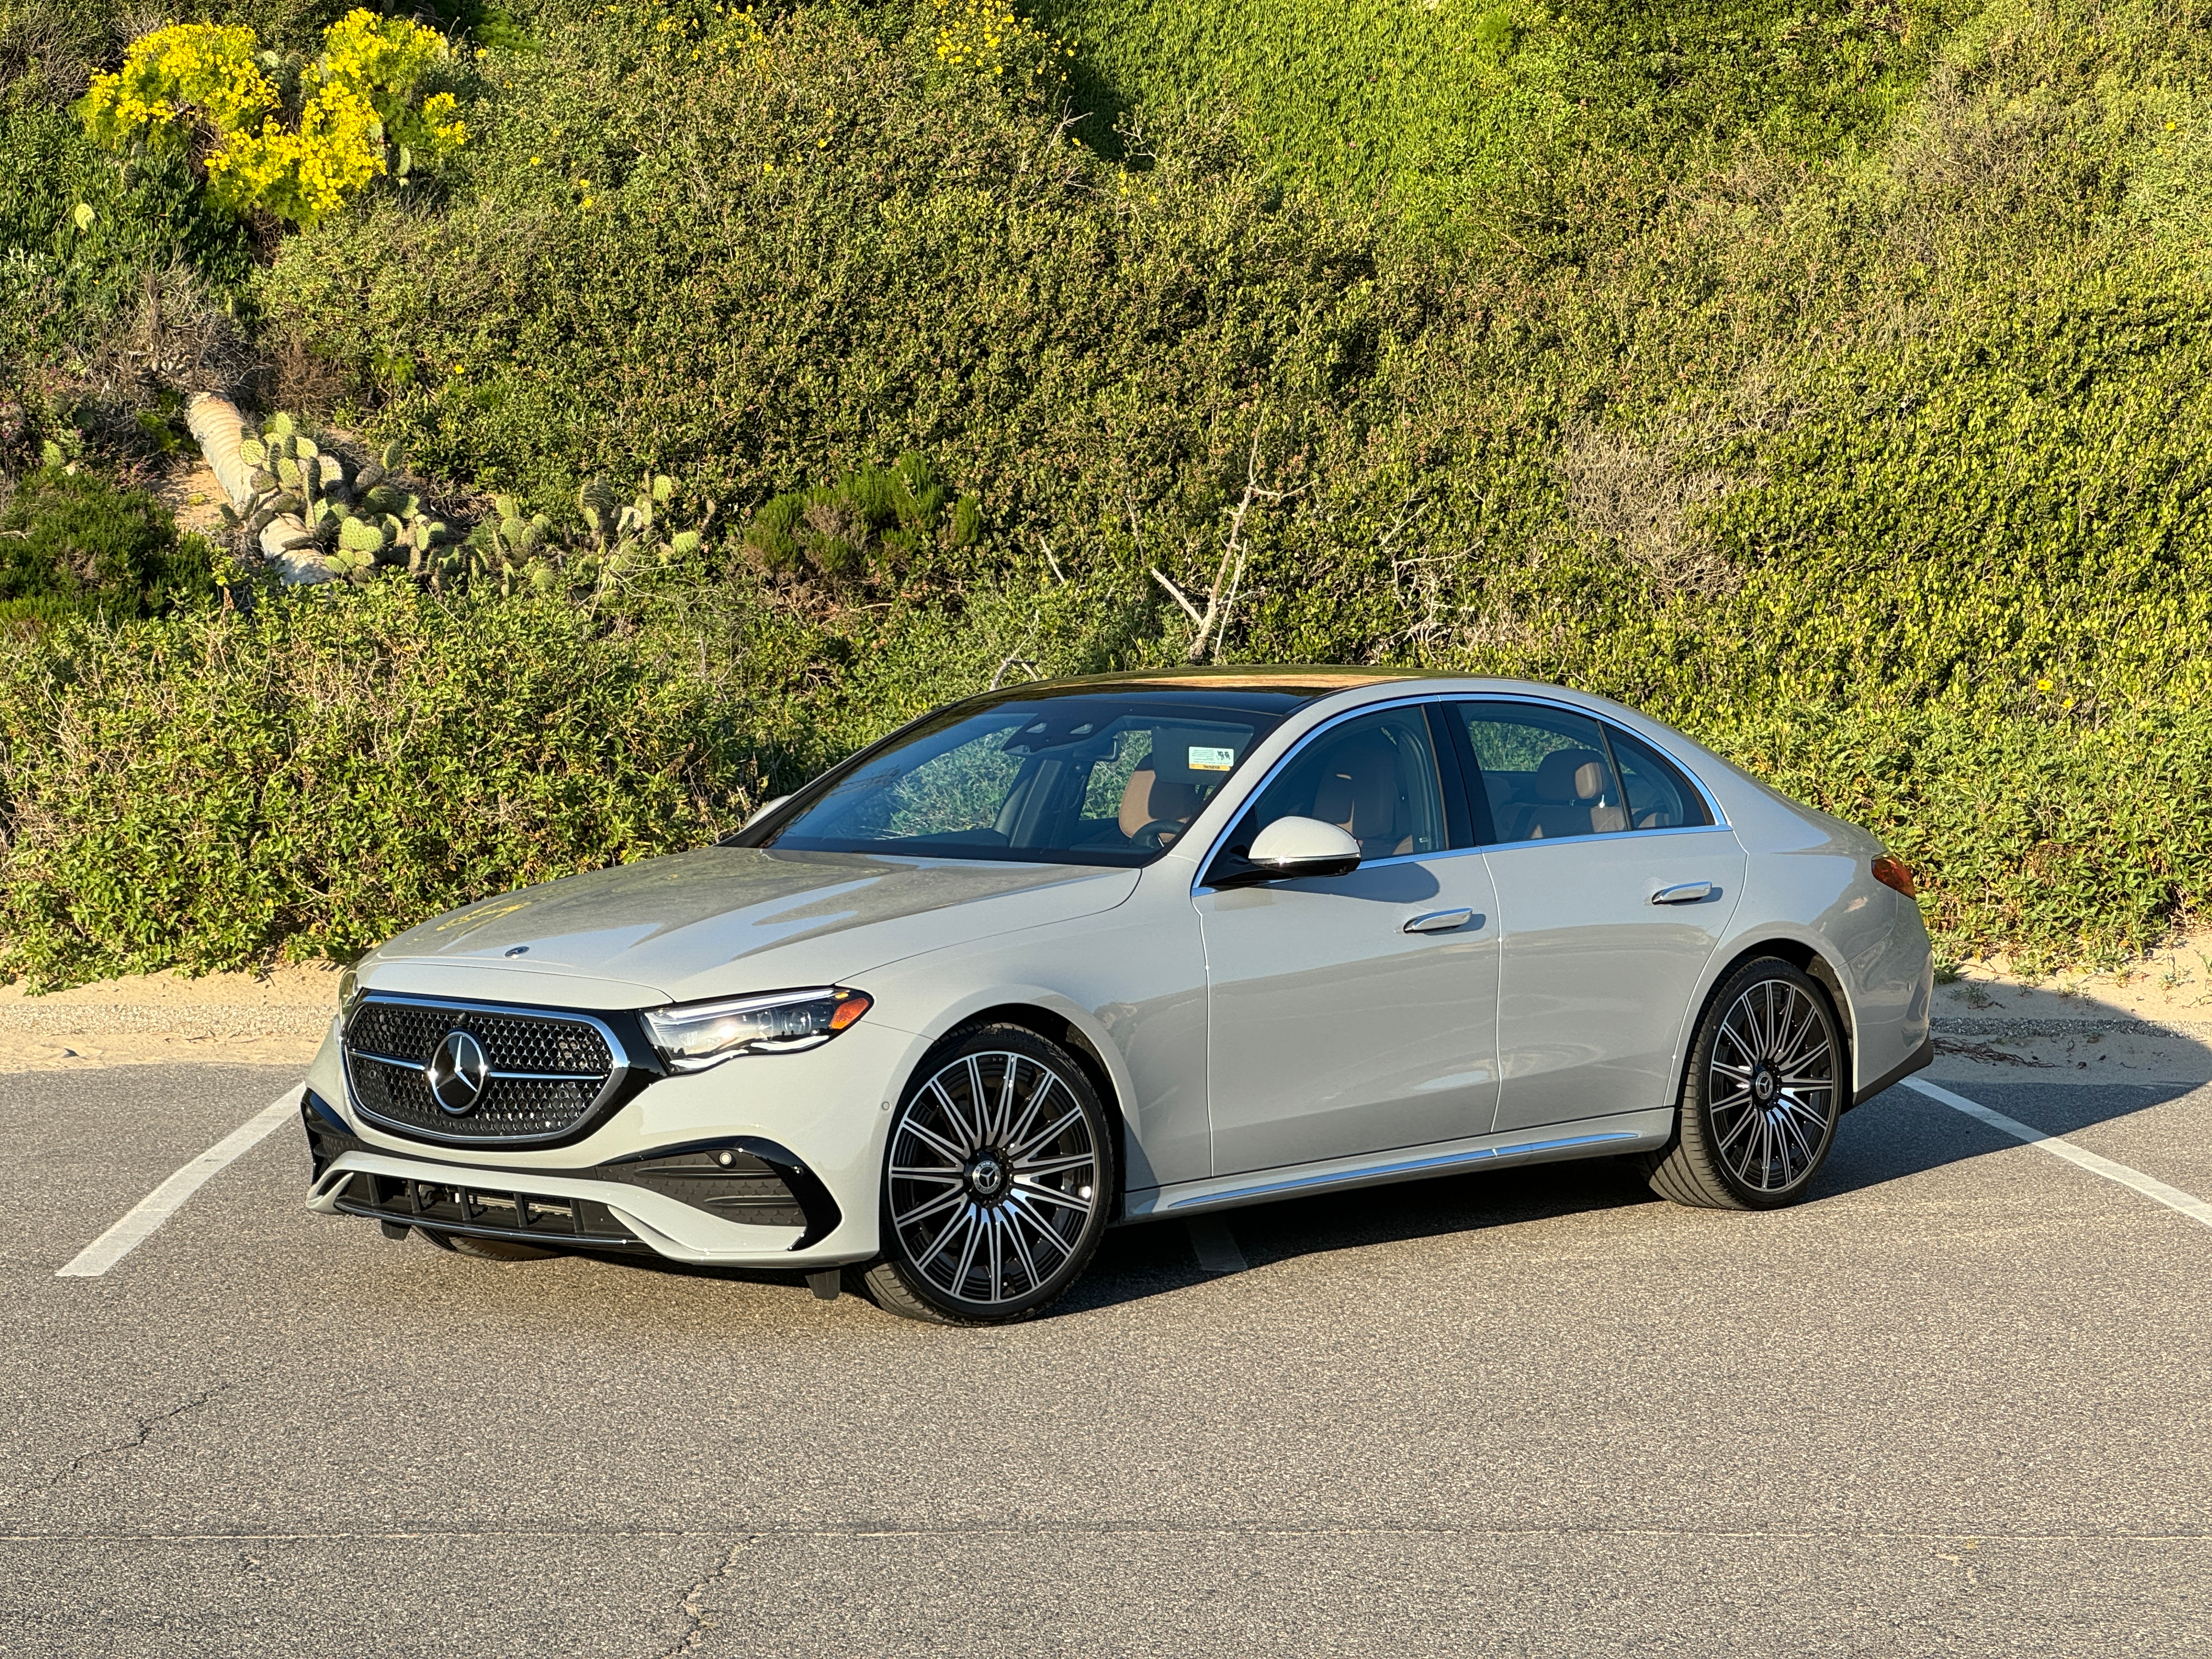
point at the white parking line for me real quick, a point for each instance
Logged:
(164, 1201)
(1215, 1244)
(2058, 1147)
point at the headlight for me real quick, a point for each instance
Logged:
(693, 1035)
(348, 992)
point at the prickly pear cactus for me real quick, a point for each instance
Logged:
(359, 522)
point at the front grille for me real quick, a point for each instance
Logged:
(548, 1070)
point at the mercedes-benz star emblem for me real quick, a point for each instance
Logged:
(457, 1075)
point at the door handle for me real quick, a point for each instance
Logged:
(1683, 892)
(1440, 921)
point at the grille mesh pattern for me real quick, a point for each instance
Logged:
(387, 1043)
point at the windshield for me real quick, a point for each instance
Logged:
(1110, 778)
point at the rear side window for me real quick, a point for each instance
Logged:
(1546, 771)
(1659, 796)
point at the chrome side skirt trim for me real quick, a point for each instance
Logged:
(1619, 1133)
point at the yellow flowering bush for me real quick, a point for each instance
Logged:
(988, 38)
(191, 76)
(198, 89)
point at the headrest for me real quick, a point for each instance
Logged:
(1359, 789)
(1567, 775)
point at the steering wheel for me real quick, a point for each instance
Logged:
(1158, 834)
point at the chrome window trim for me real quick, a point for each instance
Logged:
(616, 1073)
(1200, 884)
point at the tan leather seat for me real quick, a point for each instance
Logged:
(1570, 787)
(1358, 793)
(1147, 798)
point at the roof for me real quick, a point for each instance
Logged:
(1294, 679)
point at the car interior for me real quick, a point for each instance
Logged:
(1376, 780)
(1550, 772)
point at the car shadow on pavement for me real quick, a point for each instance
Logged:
(1154, 1257)
(1897, 1134)
(1901, 1132)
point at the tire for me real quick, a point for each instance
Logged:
(997, 1179)
(1760, 1095)
(486, 1249)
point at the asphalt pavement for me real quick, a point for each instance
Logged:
(1956, 1403)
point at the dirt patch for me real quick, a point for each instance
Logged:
(194, 495)
(272, 1019)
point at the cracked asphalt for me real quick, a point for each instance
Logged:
(1957, 1403)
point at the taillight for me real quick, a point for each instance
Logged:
(1894, 873)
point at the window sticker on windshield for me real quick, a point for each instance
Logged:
(1211, 760)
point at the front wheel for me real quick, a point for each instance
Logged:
(997, 1184)
(1760, 1095)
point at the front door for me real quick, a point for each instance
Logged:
(1614, 888)
(1358, 1013)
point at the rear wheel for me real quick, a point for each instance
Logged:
(1760, 1095)
(997, 1184)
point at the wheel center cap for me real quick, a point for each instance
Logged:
(987, 1175)
(1764, 1085)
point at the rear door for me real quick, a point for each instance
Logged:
(1614, 887)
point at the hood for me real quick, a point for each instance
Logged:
(722, 921)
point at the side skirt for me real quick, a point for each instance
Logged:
(1596, 1137)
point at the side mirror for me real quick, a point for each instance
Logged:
(763, 810)
(1303, 847)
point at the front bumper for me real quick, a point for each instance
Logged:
(739, 1199)
(817, 1120)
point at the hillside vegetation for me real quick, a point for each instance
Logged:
(1828, 379)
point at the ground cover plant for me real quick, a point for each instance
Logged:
(72, 544)
(1828, 379)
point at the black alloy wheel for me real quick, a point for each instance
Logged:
(997, 1181)
(1760, 1095)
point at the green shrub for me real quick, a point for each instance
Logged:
(78, 238)
(1828, 364)
(71, 541)
(877, 527)
(309, 778)
(1473, 111)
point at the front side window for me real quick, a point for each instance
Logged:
(1374, 777)
(1546, 771)
(1109, 779)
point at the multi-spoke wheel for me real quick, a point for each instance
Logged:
(1761, 1095)
(997, 1183)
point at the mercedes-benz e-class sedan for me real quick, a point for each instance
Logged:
(1140, 945)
